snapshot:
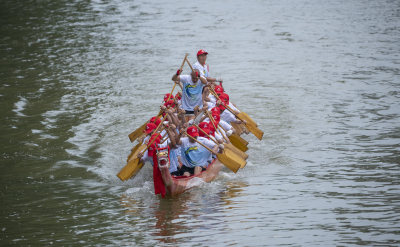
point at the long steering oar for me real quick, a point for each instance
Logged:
(135, 164)
(252, 128)
(227, 157)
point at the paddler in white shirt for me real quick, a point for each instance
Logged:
(193, 85)
(203, 67)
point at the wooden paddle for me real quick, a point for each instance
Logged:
(137, 133)
(134, 165)
(131, 168)
(227, 157)
(236, 153)
(252, 128)
(228, 145)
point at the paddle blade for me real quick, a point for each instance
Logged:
(239, 142)
(256, 131)
(230, 160)
(137, 133)
(249, 120)
(237, 151)
(133, 151)
(128, 170)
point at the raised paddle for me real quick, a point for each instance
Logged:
(227, 157)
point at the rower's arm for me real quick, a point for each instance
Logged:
(203, 80)
(176, 77)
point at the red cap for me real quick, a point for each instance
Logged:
(178, 96)
(150, 127)
(204, 125)
(201, 52)
(219, 89)
(153, 146)
(215, 110)
(168, 95)
(155, 120)
(224, 98)
(170, 103)
(207, 130)
(193, 131)
(216, 118)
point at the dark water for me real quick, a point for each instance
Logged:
(322, 79)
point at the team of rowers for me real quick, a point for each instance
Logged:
(196, 118)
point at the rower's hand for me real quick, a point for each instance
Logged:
(163, 108)
(140, 155)
(178, 72)
(221, 148)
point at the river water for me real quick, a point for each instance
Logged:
(322, 79)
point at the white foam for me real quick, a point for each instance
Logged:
(19, 106)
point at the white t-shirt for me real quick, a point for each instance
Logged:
(204, 70)
(194, 154)
(212, 102)
(227, 116)
(192, 93)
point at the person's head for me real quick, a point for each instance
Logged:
(155, 120)
(170, 104)
(193, 132)
(216, 118)
(202, 56)
(206, 128)
(219, 89)
(195, 75)
(178, 95)
(168, 96)
(149, 128)
(215, 110)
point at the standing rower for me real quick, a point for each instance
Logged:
(203, 67)
(193, 85)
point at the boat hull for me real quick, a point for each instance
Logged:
(178, 185)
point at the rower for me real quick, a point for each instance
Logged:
(193, 85)
(203, 67)
(195, 158)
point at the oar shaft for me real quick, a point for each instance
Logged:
(216, 128)
(209, 149)
(205, 133)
